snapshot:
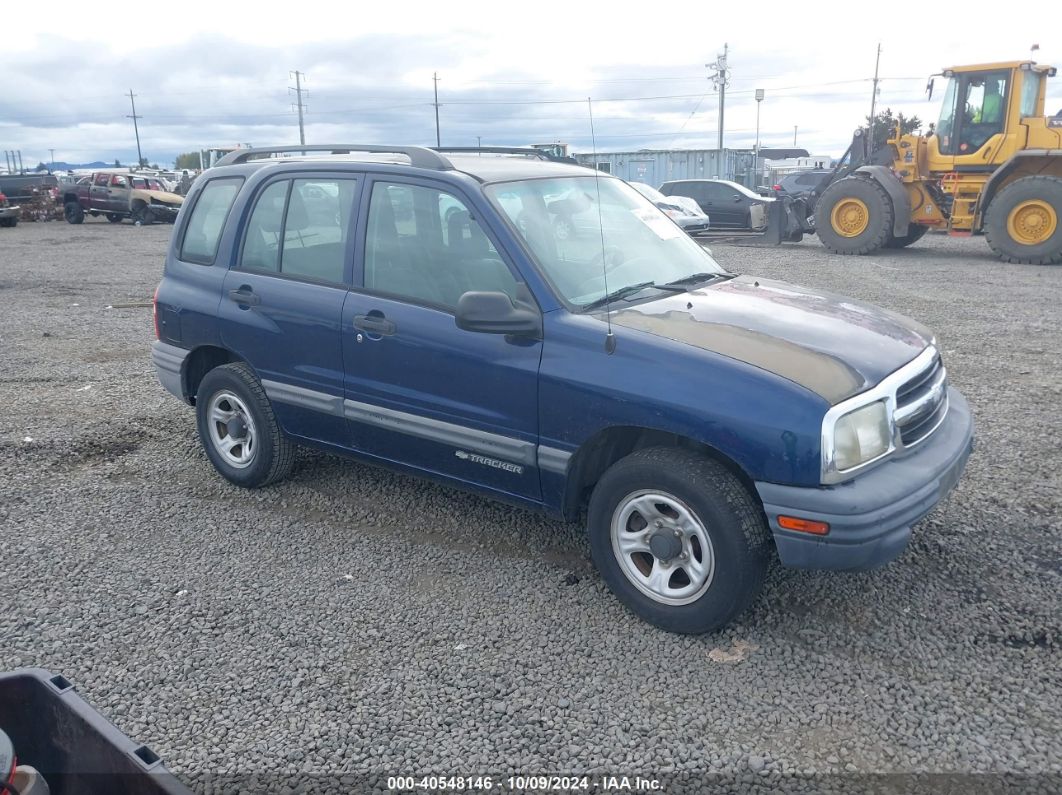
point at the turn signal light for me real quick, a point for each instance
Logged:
(803, 525)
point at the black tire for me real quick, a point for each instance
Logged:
(74, 213)
(880, 216)
(1046, 189)
(114, 218)
(731, 518)
(9, 222)
(143, 216)
(273, 452)
(915, 232)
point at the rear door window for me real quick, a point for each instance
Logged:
(300, 228)
(202, 233)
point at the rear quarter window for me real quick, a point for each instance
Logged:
(202, 233)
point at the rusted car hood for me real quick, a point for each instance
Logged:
(834, 346)
(160, 195)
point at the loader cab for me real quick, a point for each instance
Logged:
(974, 111)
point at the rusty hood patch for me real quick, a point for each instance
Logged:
(834, 346)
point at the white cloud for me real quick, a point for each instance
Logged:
(208, 73)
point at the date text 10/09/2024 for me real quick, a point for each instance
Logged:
(514, 784)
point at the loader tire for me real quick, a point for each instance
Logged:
(1024, 221)
(854, 216)
(915, 232)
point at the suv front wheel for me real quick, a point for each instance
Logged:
(238, 429)
(678, 539)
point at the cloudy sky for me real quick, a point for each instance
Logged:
(214, 74)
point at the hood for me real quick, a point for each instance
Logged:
(163, 196)
(834, 346)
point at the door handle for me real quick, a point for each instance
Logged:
(374, 324)
(245, 296)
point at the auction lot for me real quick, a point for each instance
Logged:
(350, 621)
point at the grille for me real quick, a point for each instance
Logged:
(922, 403)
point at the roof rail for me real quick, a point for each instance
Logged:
(419, 156)
(495, 150)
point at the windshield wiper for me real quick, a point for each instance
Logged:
(622, 292)
(695, 278)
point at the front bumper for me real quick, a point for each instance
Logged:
(164, 212)
(870, 517)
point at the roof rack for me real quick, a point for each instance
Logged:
(495, 150)
(419, 156)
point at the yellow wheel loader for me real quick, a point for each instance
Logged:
(993, 164)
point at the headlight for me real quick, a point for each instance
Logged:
(861, 435)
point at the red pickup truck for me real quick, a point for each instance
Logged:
(119, 194)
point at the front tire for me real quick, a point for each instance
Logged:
(1024, 221)
(74, 213)
(143, 216)
(238, 429)
(854, 216)
(678, 539)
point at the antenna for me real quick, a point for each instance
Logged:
(610, 340)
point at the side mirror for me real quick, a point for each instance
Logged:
(497, 313)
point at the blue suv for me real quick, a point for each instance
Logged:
(418, 309)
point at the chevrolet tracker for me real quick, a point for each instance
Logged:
(419, 310)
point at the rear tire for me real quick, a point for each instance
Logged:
(854, 216)
(915, 232)
(9, 222)
(1024, 221)
(687, 520)
(74, 213)
(238, 429)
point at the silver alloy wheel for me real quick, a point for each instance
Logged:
(232, 430)
(662, 547)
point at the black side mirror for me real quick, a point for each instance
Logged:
(497, 313)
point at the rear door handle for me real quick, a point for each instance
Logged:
(245, 296)
(374, 324)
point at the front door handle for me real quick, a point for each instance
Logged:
(374, 324)
(245, 296)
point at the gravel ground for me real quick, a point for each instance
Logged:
(351, 621)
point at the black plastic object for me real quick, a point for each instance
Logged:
(77, 750)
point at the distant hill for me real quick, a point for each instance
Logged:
(61, 165)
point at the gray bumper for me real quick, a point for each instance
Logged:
(870, 517)
(169, 366)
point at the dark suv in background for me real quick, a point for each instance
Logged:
(423, 312)
(730, 205)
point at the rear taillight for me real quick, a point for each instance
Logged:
(776, 187)
(155, 313)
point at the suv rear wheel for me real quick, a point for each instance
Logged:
(678, 539)
(238, 429)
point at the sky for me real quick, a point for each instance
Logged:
(206, 74)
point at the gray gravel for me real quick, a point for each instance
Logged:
(354, 621)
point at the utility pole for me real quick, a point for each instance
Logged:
(136, 129)
(435, 80)
(756, 150)
(794, 136)
(298, 102)
(720, 79)
(53, 159)
(873, 103)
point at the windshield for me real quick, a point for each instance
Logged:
(740, 189)
(579, 242)
(651, 193)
